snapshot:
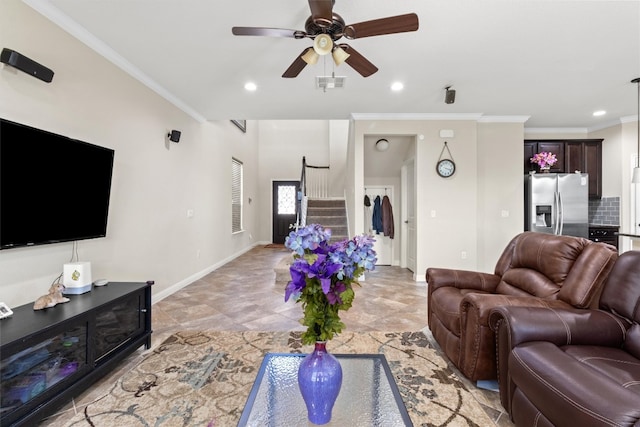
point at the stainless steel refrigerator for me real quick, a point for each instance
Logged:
(557, 203)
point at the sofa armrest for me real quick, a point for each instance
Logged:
(477, 340)
(516, 325)
(483, 305)
(461, 279)
(560, 326)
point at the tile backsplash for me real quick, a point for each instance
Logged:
(605, 211)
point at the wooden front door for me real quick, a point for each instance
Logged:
(284, 208)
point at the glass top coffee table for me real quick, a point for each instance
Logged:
(369, 395)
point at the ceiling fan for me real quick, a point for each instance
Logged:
(325, 28)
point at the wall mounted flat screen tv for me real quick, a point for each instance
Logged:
(52, 188)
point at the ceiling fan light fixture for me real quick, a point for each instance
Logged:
(310, 56)
(323, 44)
(339, 55)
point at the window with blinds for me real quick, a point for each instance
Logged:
(236, 195)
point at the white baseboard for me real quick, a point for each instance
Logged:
(200, 274)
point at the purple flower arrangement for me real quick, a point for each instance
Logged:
(323, 275)
(544, 159)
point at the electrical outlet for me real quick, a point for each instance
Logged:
(504, 213)
(433, 213)
(463, 255)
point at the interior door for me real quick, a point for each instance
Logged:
(410, 195)
(284, 209)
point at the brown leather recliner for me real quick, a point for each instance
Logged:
(571, 367)
(535, 269)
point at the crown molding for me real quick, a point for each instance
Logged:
(555, 130)
(54, 14)
(503, 119)
(585, 130)
(628, 119)
(477, 117)
(415, 116)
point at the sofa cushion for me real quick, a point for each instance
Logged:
(527, 282)
(568, 268)
(615, 363)
(568, 392)
(594, 265)
(551, 255)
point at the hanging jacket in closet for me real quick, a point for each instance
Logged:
(387, 217)
(377, 215)
(368, 215)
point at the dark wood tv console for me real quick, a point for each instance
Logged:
(51, 355)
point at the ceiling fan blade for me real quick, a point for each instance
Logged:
(378, 27)
(296, 66)
(359, 62)
(269, 32)
(322, 12)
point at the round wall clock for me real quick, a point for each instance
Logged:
(445, 168)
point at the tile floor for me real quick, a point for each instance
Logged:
(243, 295)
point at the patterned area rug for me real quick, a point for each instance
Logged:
(204, 379)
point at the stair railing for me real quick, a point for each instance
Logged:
(314, 183)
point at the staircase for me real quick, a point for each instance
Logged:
(329, 213)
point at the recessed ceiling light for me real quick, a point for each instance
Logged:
(251, 87)
(599, 113)
(397, 86)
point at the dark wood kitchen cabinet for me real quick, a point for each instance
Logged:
(532, 147)
(584, 155)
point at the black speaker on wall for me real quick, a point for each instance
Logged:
(174, 135)
(29, 66)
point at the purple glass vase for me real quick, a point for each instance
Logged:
(320, 379)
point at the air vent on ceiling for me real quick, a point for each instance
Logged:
(330, 82)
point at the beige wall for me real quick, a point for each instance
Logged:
(154, 182)
(338, 139)
(468, 206)
(500, 190)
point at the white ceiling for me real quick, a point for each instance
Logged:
(555, 61)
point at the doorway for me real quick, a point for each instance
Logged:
(383, 245)
(284, 209)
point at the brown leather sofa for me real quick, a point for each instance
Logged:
(535, 269)
(571, 367)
